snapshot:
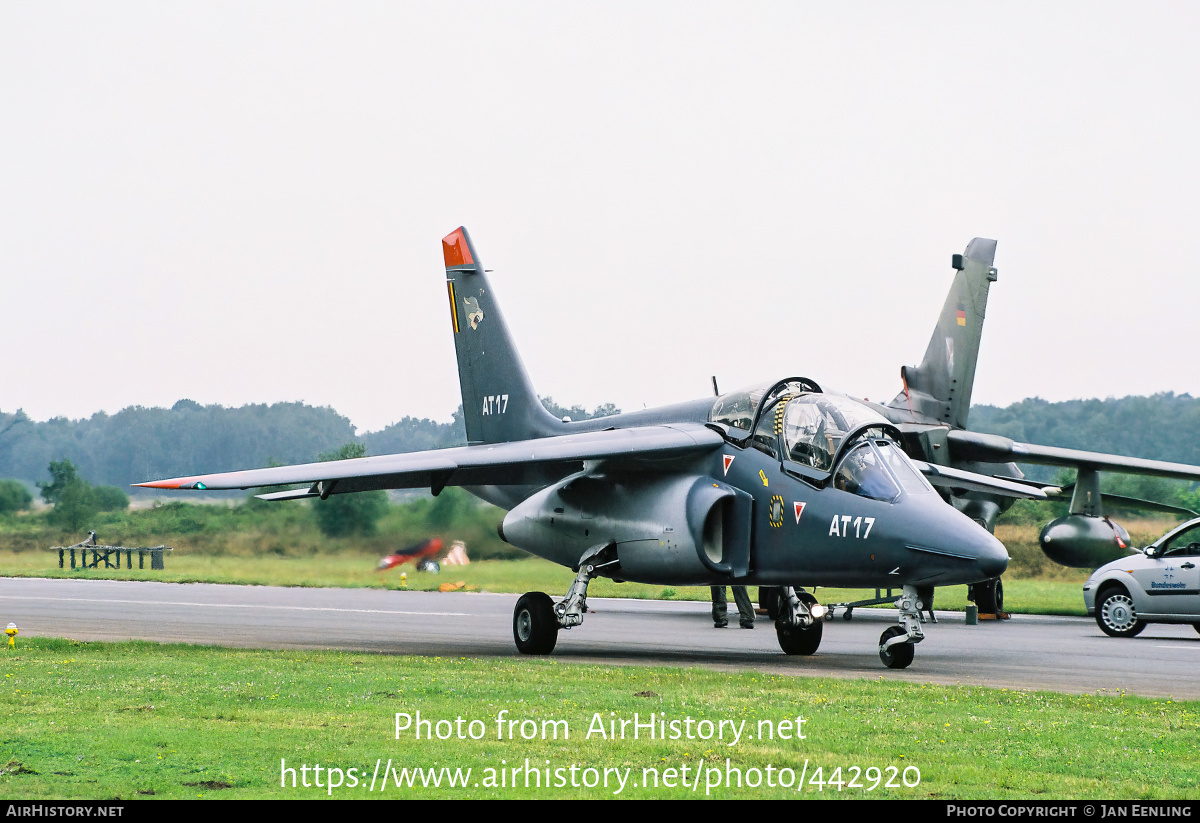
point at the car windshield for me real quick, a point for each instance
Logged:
(1183, 543)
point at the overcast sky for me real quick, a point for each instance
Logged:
(243, 202)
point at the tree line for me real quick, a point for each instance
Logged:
(139, 443)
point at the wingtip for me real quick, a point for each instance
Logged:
(456, 249)
(172, 484)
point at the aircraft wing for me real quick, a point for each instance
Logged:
(516, 463)
(991, 448)
(947, 477)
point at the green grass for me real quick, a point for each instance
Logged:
(129, 720)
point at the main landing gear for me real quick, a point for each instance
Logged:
(798, 626)
(537, 618)
(896, 644)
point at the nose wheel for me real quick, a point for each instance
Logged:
(898, 643)
(900, 654)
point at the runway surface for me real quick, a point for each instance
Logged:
(1067, 654)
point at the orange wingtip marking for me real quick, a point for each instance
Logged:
(167, 484)
(454, 249)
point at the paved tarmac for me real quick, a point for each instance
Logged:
(1067, 654)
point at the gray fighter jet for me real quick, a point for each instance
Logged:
(931, 413)
(780, 485)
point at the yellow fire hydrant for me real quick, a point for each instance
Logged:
(403, 580)
(11, 631)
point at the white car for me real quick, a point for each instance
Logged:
(1161, 584)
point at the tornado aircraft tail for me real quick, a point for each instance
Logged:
(939, 390)
(499, 403)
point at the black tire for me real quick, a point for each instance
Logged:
(989, 596)
(801, 639)
(1115, 614)
(535, 626)
(1196, 626)
(768, 598)
(898, 656)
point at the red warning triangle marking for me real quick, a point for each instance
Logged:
(799, 507)
(727, 459)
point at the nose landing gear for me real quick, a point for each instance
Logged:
(897, 643)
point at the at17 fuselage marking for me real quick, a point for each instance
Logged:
(846, 521)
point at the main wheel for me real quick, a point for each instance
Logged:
(535, 626)
(801, 639)
(768, 598)
(1116, 616)
(899, 655)
(989, 596)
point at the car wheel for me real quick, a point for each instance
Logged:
(1116, 616)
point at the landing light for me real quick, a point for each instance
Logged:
(817, 611)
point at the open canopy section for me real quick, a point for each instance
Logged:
(814, 426)
(739, 409)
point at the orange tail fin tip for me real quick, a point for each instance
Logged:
(455, 251)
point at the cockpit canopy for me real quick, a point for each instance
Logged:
(738, 409)
(809, 430)
(814, 426)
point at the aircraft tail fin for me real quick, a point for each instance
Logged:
(499, 403)
(940, 388)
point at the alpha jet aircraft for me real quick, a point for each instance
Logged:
(931, 413)
(777, 485)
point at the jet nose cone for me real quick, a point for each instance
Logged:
(993, 557)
